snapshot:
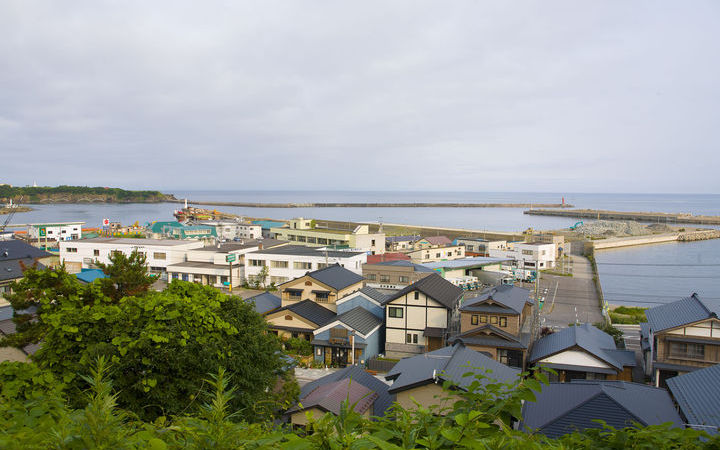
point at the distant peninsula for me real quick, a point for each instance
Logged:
(78, 194)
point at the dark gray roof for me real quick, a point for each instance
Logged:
(435, 287)
(360, 320)
(645, 336)
(358, 375)
(588, 338)
(562, 408)
(330, 396)
(14, 249)
(300, 250)
(311, 311)
(688, 310)
(698, 396)
(402, 238)
(373, 294)
(13, 269)
(448, 363)
(265, 302)
(495, 337)
(336, 276)
(404, 263)
(513, 297)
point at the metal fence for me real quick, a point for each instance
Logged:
(380, 365)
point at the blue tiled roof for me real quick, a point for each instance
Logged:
(265, 302)
(688, 310)
(587, 337)
(698, 396)
(336, 276)
(510, 296)
(562, 408)
(90, 275)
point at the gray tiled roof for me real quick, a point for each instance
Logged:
(513, 297)
(435, 287)
(687, 310)
(13, 269)
(330, 396)
(358, 375)
(402, 238)
(373, 294)
(448, 363)
(14, 249)
(336, 276)
(562, 408)
(496, 338)
(698, 395)
(360, 320)
(265, 302)
(587, 337)
(301, 250)
(404, 263)
(311, 311)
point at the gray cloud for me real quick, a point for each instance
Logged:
(552, 96)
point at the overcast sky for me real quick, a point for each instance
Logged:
(576, 96)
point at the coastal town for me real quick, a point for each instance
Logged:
(399, 310)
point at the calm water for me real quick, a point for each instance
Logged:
(635, 283)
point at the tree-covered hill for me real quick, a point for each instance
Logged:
(79, 194)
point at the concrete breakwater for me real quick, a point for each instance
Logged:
(657, 217)
(655, 239)
(380, 205)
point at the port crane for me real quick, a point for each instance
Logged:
(13, 209)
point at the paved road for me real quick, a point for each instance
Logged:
(568, 299)
(631, 335)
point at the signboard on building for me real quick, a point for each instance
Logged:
(106, 222)
(230, 258)
(43, 231)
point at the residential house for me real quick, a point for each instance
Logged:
(562, 408)
(582, 352)
(527, 256)
(419, 317)
(299, 320)
(353, 337)
(369, 396)
(419, 379)
(498, 323)
(431, 254)
(367, 298)
(324, 286)
(697, 394)
(293, 261)
(307, 232)
(432, 242)
(15, 255)
(478, 246)
(400, 243)
(265, 302)
(394, 274)
(683, 336)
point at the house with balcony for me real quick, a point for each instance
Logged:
(324, 286)
(395, 274)
(582, 352)
(307, 232)
(420, 317)
(682, 336)
(498, 323)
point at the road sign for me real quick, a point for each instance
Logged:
(106, 222)
(230, 258)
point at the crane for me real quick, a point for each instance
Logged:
(13, 208)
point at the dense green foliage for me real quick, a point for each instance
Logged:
(31, 194)
(126, 275)
(298, 346)
(628, 315)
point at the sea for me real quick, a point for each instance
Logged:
(639, 276)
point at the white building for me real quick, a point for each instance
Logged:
(526, 255)
(230, 230)
(308, 232)
(292, 261)
(58, 231)
(160, 253)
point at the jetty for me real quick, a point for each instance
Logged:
(380, 205)
(650, 217)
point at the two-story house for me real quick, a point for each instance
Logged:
(324, 286)
(683, 336)
(497, 322)
(419, 317)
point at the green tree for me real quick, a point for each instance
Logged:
(162, 345)
(126, 275)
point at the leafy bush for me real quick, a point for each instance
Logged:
(299, 346)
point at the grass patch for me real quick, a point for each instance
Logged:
(553, 272)
(628, 315)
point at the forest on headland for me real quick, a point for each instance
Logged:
(78, 194)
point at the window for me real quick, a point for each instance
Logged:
(372, 243)
(256, 262)
(311, 240)
(411, 338)
(503, 322)
(279, 264)
(527, 252)
(64, 231)
(384, 279)
(470, 248)
(301, 238)
(322, 241)
(371, 277)
(683, 350)
(302, 265)
(96, 252)
(483, 319)
(278, 280)
(395, 312)
(319, 351)
(159, 255)
(437, 255)
(71, 250)
(474, 319)
(493, 320)
(404, 279)
(294, 295)
(417, 295)
(321, 297)
(322, 266)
